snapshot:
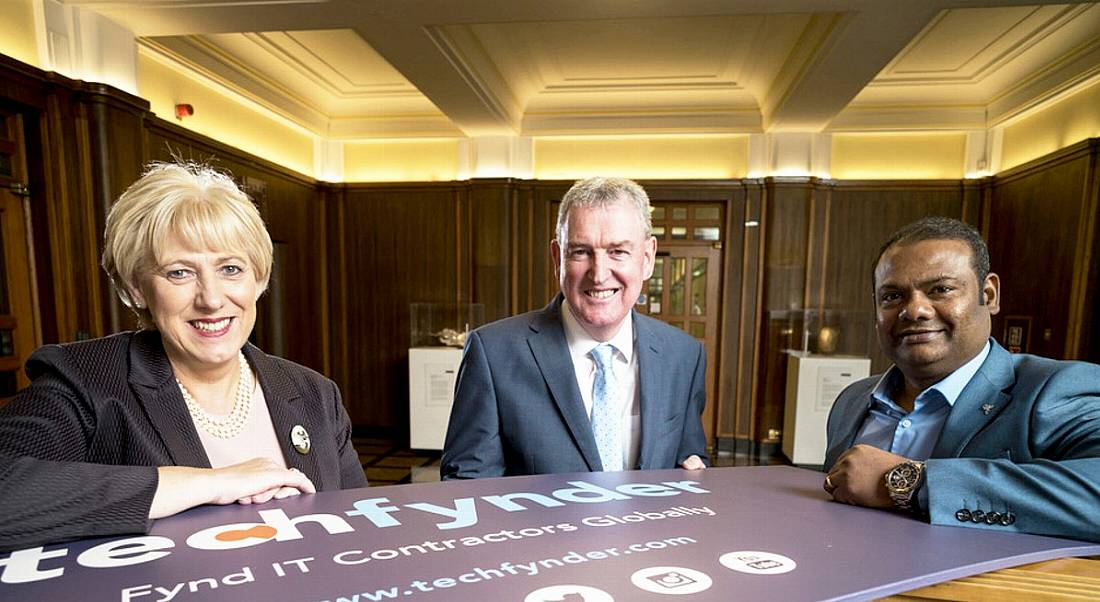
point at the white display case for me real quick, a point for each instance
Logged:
(813, 384)
(432, 373)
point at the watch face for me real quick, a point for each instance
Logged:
(903, 477)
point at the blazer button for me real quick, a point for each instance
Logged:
(977, 516)
(993, 518)
(962, 515)
(1008, 518)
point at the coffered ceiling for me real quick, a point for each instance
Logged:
(350, 69)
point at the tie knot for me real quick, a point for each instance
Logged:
(603, 354)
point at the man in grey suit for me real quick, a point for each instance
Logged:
(584, 384)
(960, 431)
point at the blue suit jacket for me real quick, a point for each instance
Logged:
(518, 409)
(1023, 437)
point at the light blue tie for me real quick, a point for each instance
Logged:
(606, 418)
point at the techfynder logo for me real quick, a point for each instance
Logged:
(34, 564)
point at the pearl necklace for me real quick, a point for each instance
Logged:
(233, 423)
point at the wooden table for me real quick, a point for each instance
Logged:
(1060, 580)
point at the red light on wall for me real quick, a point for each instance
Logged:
(184, 110)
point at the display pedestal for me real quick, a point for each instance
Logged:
(813, 384)
(432, 373)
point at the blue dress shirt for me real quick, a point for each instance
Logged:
(914, 434)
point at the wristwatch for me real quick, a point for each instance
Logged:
(902, 482)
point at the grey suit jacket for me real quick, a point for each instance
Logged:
(79, 447)
(1022, 440)
(518, 409)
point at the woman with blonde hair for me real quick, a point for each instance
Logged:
(117, 431)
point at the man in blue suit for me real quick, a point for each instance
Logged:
(584, 384)
(960, 431)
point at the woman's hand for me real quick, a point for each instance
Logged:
(254, 481)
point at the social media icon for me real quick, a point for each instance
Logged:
(671, 580)
(757, 563)
(568, 593)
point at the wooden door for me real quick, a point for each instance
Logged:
(19, 328)
(685, 285)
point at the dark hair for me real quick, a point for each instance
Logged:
(940, 228)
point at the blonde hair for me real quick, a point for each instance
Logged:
(202, 206)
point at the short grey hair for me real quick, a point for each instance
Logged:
(602, 192)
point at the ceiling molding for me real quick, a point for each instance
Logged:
(882, 119)
(1007, 47)
(465, 53)
(191, 54)
(353, 128)
(643, 122)
(389, 68)
(1075, 71)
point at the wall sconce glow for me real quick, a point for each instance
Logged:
(792, 172)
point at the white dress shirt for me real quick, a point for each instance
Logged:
(625, 367)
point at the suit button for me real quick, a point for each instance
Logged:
(977, 516)
(993, 518)
(1008, 518)
(962, 515)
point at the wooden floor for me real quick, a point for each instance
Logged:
(387, 463)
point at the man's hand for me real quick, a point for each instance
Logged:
(859, 477)
(693, 462)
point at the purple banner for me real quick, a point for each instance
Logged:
(718, 534)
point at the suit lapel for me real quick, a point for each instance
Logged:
(152, 382)
(282, 397)
(848, 426)
(551, 351)
(650, 392)
(967, 416)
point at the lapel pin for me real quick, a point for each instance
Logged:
(987, 408)
(299, 437)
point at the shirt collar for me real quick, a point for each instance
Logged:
(950, 387)
(581, 343)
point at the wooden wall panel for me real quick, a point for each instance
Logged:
(532, 229)
(490, 234)
(116, 151)
(739, 381)
(1042, 242)
(786, 226)
(822, 239)
(399, 245)
(81, 142)
(859, 218)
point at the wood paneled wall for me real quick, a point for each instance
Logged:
(392, 246)
(822, 238)
(1041, 229)
(353, 257)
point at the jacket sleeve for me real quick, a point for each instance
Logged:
(48, 491)
(473, 447)
(1054, 492)
(694, 440)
